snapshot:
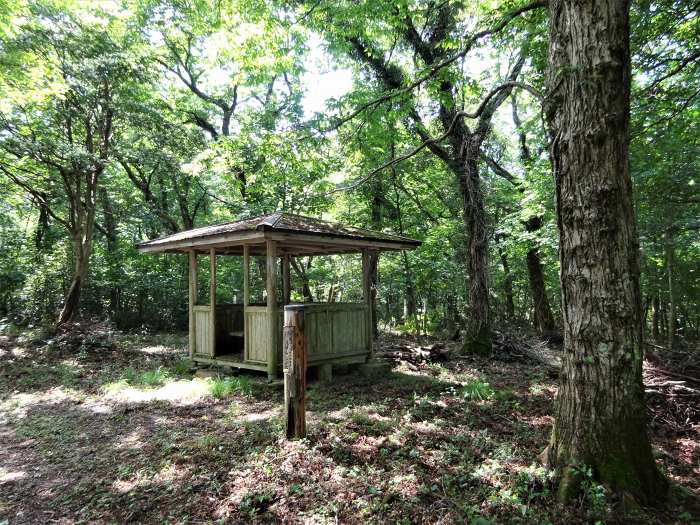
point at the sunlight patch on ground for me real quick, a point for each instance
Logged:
(17, 405)
(168, 474)
(536, 421)
(182, 391)
(18, 351)
(132, 440)
(156, 350)
(426, 428)
(405, 484)
(9, 475)
(259, 416)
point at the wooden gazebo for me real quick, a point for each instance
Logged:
(249, 335)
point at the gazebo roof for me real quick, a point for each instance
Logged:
(294, 234)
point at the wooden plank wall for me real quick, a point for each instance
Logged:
(202, 330)
(337, 329)
(257, 328)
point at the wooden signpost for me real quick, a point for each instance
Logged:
(294, 368)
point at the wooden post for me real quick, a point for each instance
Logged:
(246, 300)
(367, 297)
(212, 301)
(286, 290)
(294, 366)
(193, 300)
(272, 308)
(246, 275)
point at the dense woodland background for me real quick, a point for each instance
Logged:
(122, 122)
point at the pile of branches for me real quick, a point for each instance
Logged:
(83, 336)
(511, 347)
(672, 385)
(414, 355)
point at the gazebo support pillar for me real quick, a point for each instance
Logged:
(192, 285)
(212, 301)
(367, 297)
(271, 247)
(246, 275)
(286, 289)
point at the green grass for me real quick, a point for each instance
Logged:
(476, 390)
(228, 386)
(154, 378)
(147, 378)
(182, 367)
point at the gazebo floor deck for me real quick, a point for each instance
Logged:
(236, 361)
(229, 360)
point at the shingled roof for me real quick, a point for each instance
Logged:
(295, 234)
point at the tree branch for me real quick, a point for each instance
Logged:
(432, 71)
(459, 115)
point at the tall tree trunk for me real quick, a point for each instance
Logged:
(111, 240)
(478, 337)
(543, 318)
(374, 270)
(300, 270)
(409, 292)
(663, 318)
(672, 315)
(376, 222)
(507, 285)
(600, 412)
(409, 311)
(82, 246)
(655, 317)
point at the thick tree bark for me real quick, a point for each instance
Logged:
(543, 319)
(478, 337)
(600, 412)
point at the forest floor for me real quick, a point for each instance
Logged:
(107, 427)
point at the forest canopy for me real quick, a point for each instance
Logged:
(128, 121)
(553, 181)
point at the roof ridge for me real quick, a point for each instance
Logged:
(278, 219)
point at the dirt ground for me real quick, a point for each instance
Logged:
(121, 431)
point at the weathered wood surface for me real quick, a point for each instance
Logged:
(192, 286)
(367, 296)
(272, 358)
(286, 288)
(203, 337)
(332, 331)
(212, 302)
(294, 368)
(257, 337)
